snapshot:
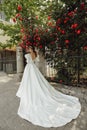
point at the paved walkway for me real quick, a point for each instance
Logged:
(9, 120)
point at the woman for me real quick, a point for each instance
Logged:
(41, 103)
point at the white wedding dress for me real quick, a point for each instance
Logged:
(40, 103)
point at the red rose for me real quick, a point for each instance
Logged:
(40, 47)
(67, 41)
(85, 48)
(19, 8)
(21, 19)
(49, 23)
(73, 26)
(71, 13)
(36, 30)
(78, 31)
(75, 10)
(36, 17)
(28, 43)
(58, 21)
(14, 20)
(66, 20)
(82, 6)
(49, 17)
(22, 30)
(62, 31)
(36, 37)
(18, 15)
(58, 28)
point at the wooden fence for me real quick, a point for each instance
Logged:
(8, 61)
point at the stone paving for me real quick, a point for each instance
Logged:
(9, 120)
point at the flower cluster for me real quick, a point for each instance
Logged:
(65, 32)
(69, 27)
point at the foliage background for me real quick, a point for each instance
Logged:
(59, 25)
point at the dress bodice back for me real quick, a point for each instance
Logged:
(29, 59)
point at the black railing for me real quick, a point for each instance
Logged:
(8, 65)
(71, 70)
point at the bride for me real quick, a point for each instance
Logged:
(40, 103)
